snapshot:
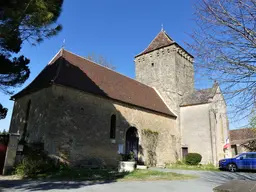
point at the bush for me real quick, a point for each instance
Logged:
(35, 162)
(128, 157)
(193, 159)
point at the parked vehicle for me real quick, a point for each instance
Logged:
(243, 161)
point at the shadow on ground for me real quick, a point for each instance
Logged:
(38, 185)
(216, 177)
(222, 177)
(68, 179)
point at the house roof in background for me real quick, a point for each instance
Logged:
(200, 96)
(73, 71)
(240, 136)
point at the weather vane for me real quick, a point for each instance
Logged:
(162, 27)
(63, 44)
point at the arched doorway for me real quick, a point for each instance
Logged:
(132, 141)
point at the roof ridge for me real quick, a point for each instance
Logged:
(106, 68)
(56, 55)
(59, 66)
(166, 35)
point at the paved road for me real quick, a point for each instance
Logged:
(205, 183)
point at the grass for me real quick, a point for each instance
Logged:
(149, 175)
(182, 165)
(112, 175)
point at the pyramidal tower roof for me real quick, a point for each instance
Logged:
(161, 40)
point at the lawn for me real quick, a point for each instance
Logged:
(150, 175)
(112, 175)
(181, 165)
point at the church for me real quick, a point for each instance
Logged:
(86, 114)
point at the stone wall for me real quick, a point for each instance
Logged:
(39, 114)
(170, 71)
(195, 131)
(205, 128)
(222, 125)
(75, 126)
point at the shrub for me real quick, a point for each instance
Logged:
(128, 157)
(34, 162)
(150, 141)
(193, 159)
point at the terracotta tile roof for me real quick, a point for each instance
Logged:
(240, 136)
(200, 96)
(161, 40)
(77, 72)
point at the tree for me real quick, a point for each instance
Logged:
(225, 49)
(251, 145)
(4, 132)
(21, 21)
(99, 59)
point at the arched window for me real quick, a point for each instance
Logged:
(113, 127)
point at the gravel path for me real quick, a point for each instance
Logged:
(207, 181)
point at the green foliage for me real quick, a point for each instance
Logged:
(148, 132)
(150, 139)
(183, 165)
(3, 111)
(151, 175)
(193, 159)
(128, 157)
(112, 175)
(35, 162)
(21, 21)
(4, 132)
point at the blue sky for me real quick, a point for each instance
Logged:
(117, 30)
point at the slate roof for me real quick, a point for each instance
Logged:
(240, 136)
(73, 71)
(200, 96)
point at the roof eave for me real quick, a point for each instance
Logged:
(174, 43)
(188, 105)
(146, 52)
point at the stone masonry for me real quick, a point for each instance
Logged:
(74, 126)
(72, 101)
(169, 70)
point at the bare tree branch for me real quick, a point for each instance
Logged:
(225, 49)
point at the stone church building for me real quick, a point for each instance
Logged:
(87, 114)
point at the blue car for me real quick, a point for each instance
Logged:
(243, 161)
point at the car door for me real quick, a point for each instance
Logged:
(247, 161)
(253, 162)
(241, 161)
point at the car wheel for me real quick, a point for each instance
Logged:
(232, 167)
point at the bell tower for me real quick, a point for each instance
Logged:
(167, 67)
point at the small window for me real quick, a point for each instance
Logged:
(27, 115)
(28, 110)
(152, 64)
(113, 127)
